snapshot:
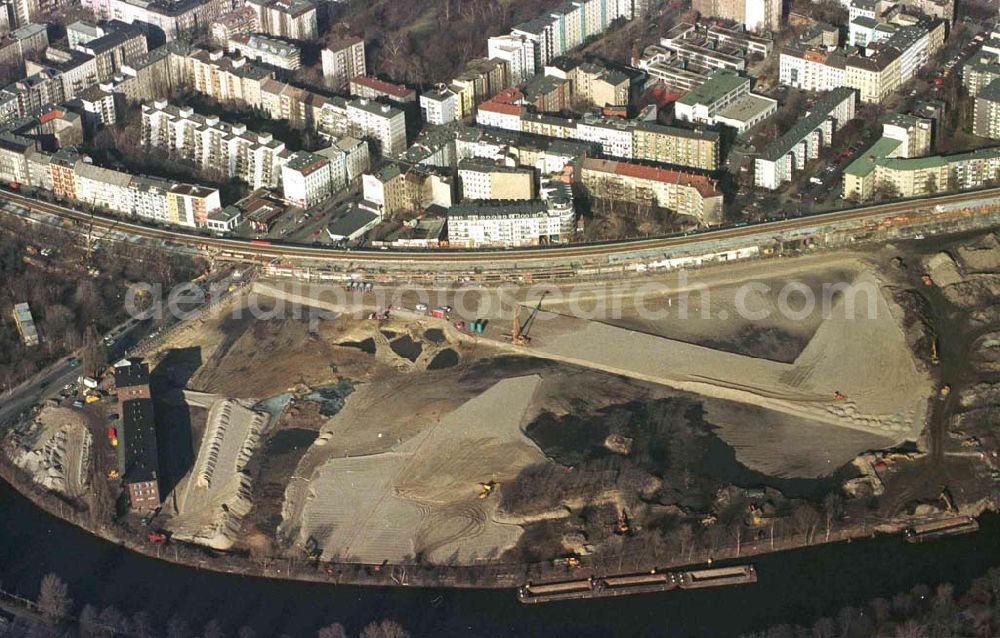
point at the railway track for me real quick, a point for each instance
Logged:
(256, 249)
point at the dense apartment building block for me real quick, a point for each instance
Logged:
(802, 143)
(28, 41)
(254, 158)
(875, 71)
(601, 86)
(638, 139)
(306, 179)
(242, 21)
(690, 195)
(295, 19)
(174, 19)
(119, 45)
(309, 179)
(979, 71)
(225, 78)
(915, 134)
(518, 51)
(268, 51)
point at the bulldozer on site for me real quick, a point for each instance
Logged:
(485, 489)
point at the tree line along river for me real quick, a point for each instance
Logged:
(795, 586)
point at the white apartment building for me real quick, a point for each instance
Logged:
(383, 123)
(149, 200)
(503, 111)
(614, 137)
(439, 106)
(349, 160)
(306, 179)
(494, 223)
(810, 70)
(343, 60)
(276, 53)
(225, 78)
(210, 143)
(518, 51)
(482, 179)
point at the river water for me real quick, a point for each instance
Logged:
(794, 586)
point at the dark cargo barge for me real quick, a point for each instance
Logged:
(607, 586)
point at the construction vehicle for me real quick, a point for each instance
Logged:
(573, 562)
(91, 398)
(157, 537)
(927, 280)
(113, 436)
(485, 489)
(516, 336)
(838, 395)
(947, 500)
(113, 474)
(622, 526)
(380, 317)
(944, 391)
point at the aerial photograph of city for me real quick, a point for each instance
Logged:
(499, 318)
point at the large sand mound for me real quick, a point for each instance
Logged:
(421, 496)
(859, 352)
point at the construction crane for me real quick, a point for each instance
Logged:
(517, 337)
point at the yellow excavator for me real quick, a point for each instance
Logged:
(485, 489)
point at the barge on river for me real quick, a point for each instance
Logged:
(937, 529)
(607, 586)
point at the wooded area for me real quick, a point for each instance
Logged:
(66, 299)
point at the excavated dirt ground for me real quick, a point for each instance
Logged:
(396, 472)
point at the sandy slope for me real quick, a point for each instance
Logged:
(863, 356)
(421, 494)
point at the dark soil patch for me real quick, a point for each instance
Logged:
(444, 359)
(435, 336)
(407, 348)
(764, 343)
(367, 346)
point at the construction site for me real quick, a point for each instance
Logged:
(542, 424)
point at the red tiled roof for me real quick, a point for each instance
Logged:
(501, 107)
(383, 87)
(704, 185)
